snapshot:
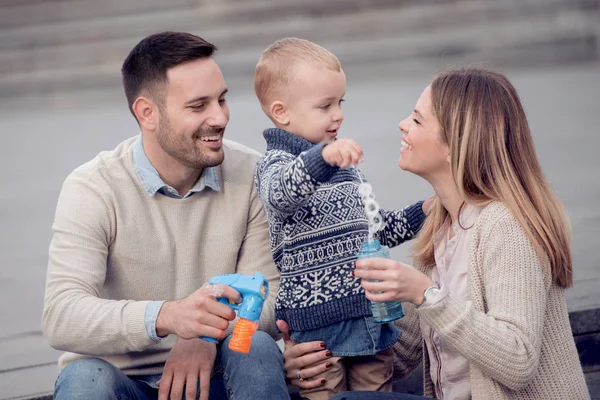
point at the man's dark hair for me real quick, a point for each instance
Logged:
(145, 68)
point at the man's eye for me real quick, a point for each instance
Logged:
(325, 107)
(197, 106)
(416, 121)
(223, 100)
(341, 101)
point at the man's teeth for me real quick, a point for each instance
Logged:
(209, 138)
(406, 145)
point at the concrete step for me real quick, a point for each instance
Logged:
(20, 13)
(409, 34)
(252, 20)
(86, 50)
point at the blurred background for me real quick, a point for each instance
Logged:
(61, 103)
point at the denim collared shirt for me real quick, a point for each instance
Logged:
(153, 184)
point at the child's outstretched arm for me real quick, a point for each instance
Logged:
(285, 183)
(401, 225)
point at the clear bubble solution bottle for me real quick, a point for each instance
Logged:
(386, 311)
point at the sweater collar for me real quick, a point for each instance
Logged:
(280, 139)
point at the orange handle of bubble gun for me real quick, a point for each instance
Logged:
(241, 339)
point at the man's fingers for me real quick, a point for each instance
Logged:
(213, 321)
(205, 384)
(230, 293)
(191, 384)
(165, 385)
(220, 310)
(285, 331)
(211, 332)
(177, 387)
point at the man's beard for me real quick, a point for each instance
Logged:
(185, 150)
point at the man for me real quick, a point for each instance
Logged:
(139, 229)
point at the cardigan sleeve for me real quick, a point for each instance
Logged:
(505, 340)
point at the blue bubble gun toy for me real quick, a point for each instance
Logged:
(254, 291)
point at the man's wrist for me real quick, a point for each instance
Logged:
(164, 319)
(150, 315)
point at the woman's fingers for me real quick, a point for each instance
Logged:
(376, 263)
(304, 355)
(383, 286)
(311, 384)
(311, 376)
(301, 351)
(381, 297)
(389, 275)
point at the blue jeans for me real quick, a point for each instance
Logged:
(353, 337)
(376, 396)
(257, 375)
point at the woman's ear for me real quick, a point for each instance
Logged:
(279, 113)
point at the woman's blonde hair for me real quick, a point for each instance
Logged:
(492, 157)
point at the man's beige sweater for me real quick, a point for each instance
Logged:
(515, 329)
(115, 248)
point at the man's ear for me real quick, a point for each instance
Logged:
(146, 112)
(279, 113)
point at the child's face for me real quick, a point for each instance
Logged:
(314, 103)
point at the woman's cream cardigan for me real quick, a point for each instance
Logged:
(515, 329)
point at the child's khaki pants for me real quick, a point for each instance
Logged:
(355, 373)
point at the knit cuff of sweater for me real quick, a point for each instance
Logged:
(415, 216)
(316, 166)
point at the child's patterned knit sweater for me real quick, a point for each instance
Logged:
(317, 225)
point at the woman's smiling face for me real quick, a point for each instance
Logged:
(423, 153)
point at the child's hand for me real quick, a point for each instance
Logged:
(342, 153)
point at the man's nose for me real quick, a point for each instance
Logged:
(219, 116)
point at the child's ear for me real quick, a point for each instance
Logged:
(279, 112)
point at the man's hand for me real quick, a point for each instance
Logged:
(199, 314)
(187, 361)
(342, 153)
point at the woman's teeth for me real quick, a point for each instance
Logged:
(406, 145)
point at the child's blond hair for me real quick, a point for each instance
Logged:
(275, 68)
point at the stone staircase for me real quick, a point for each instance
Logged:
(57, 46)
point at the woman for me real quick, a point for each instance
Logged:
(485, 306)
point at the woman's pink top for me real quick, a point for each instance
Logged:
(450, 370)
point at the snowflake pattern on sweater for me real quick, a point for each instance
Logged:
(317, 225)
